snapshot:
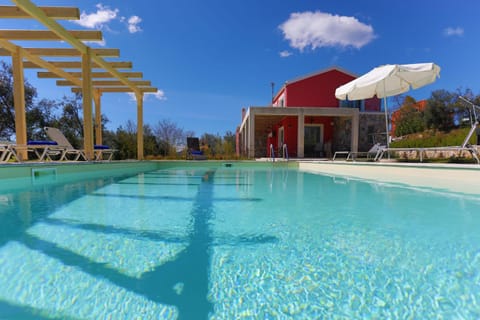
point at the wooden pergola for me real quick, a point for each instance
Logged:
(90, 74)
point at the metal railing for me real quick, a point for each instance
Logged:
(284, 152)
(272, 153)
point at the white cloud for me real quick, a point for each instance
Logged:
(104, 15)
(319, 29)
(453, 31)
(132, 96)
(285, 54)
(99, 19)
(133, 22)
(101, 43)
(160, 95)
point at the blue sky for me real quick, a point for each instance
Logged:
(211, 58)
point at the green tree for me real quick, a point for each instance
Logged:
(7, 108)
(150, 145)
(125, 141)
(70, 121)
(439, 112)
(229, 143)
(41, 115)
(463, 112)
(408, 118)
(212, 143)
(170, 136)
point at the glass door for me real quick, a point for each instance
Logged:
(313, 141)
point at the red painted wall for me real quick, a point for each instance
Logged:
(316, 91)
(319, 91)
(373, 104)
(327, 126)
(290, 125)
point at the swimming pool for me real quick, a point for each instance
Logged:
(237, 242)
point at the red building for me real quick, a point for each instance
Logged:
(303, 116)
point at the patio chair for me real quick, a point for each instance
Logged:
(102, 152)
(375, 153)
(5, 152)
(41, 151)
(193, 149)
(57, 136)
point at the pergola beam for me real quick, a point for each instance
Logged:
(118, 89)
(104, 75)
(64, 13)
(54, 26)
(78, 65)
(65, 52)
(106, 83)
(46, 35)
(38, 61)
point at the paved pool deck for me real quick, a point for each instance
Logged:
(458, 178)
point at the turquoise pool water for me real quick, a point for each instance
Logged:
(231, 243)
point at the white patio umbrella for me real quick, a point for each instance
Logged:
(389, 80)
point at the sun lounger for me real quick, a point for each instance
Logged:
(37, 150)
(375, 152)
(44, 150)
(193, 149)
(69, 151)
(5, 152)
(103, 152)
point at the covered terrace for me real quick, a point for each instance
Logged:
(257, 122)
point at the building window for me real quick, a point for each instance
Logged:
(359, 104)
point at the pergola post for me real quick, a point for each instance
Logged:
(19, 102)
(97, 97)
(87, 104)
(301, 134)
(251, 135)
(355, 131)
(139, 97)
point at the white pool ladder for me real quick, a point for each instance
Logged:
(285, 151)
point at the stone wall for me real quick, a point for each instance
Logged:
(342, 134)
(260, 144)
(414, 154)
(371, 131)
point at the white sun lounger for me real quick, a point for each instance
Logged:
(57, 136)
(101, 152)
(5, 152)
